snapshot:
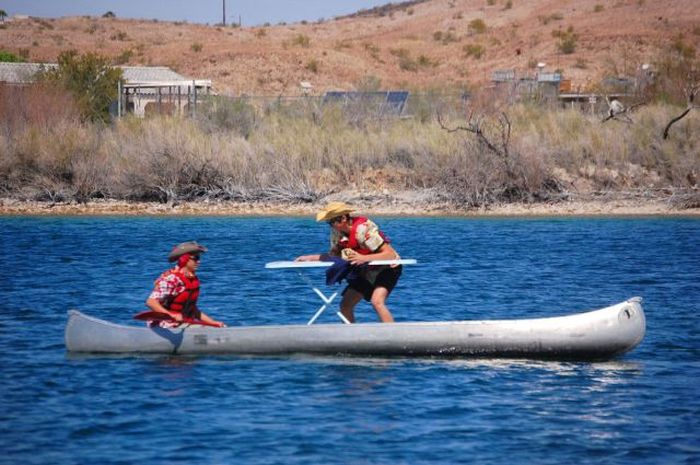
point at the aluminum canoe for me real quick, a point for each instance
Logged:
(598, 334)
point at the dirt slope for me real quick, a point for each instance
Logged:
(420, 45)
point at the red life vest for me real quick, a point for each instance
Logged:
(351, 241)
(186, 301)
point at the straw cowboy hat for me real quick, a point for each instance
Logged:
(191, 247)
(333, 210)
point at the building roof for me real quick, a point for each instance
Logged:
(151, 74)
(21, 73)
(503, 75)
(543, 76)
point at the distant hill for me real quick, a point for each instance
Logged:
(420, 44)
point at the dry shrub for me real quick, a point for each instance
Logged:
(301, 153)
(494, 163)
(218, 113)
(39, 106)
(58, 163)
(469, 177)
(612, 156)
(164, 159)
(474, 177)
(33, 120)
(172, 159)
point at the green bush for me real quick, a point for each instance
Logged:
(9, 57)
(373, 50)
(406, 63)
(91, 80)
(474, 50)
(124, 57)
(552, 17)
(120, 36)
(312, 66)
(567, 40)
(426, 62)
(302, 40)
(369, 83)
(567, 45)
(477, 26)
(445, 37)
(683, 49)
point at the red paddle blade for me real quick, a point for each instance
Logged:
(147, 315)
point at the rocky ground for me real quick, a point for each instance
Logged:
(402, 205)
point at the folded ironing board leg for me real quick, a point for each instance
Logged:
(326, 301)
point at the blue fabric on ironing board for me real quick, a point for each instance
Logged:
(340, 269)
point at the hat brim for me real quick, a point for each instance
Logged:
(326, 215)
(182, 249)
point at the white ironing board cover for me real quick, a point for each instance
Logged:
(293, 264)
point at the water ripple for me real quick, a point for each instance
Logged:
(62, 408)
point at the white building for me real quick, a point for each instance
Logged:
(144, 90)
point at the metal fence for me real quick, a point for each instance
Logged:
(357, 105)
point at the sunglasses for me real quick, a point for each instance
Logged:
(335, 220)
(195, 258)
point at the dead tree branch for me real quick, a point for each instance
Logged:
(618, 112)
(474, 125)
(691, 92)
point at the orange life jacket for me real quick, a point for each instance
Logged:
(351, 241)
(186, 301)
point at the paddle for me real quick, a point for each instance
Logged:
(157, 316)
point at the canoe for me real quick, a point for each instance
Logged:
(598, 334)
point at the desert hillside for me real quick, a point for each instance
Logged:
(416, 45)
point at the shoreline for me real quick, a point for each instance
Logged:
(389, 207)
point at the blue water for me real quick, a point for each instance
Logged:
(641, 408)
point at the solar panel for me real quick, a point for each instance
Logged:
(392, 102)
(397, 100)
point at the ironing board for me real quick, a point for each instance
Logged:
(300, 266)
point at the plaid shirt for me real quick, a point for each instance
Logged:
(165, 289)
(167, 286)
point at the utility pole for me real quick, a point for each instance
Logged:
(224, 17)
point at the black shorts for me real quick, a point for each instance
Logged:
(386, 279)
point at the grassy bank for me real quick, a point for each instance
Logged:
(300, 155)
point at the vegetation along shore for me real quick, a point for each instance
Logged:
(294, 158)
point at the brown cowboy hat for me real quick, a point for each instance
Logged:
(186, 247)
(333, 210)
